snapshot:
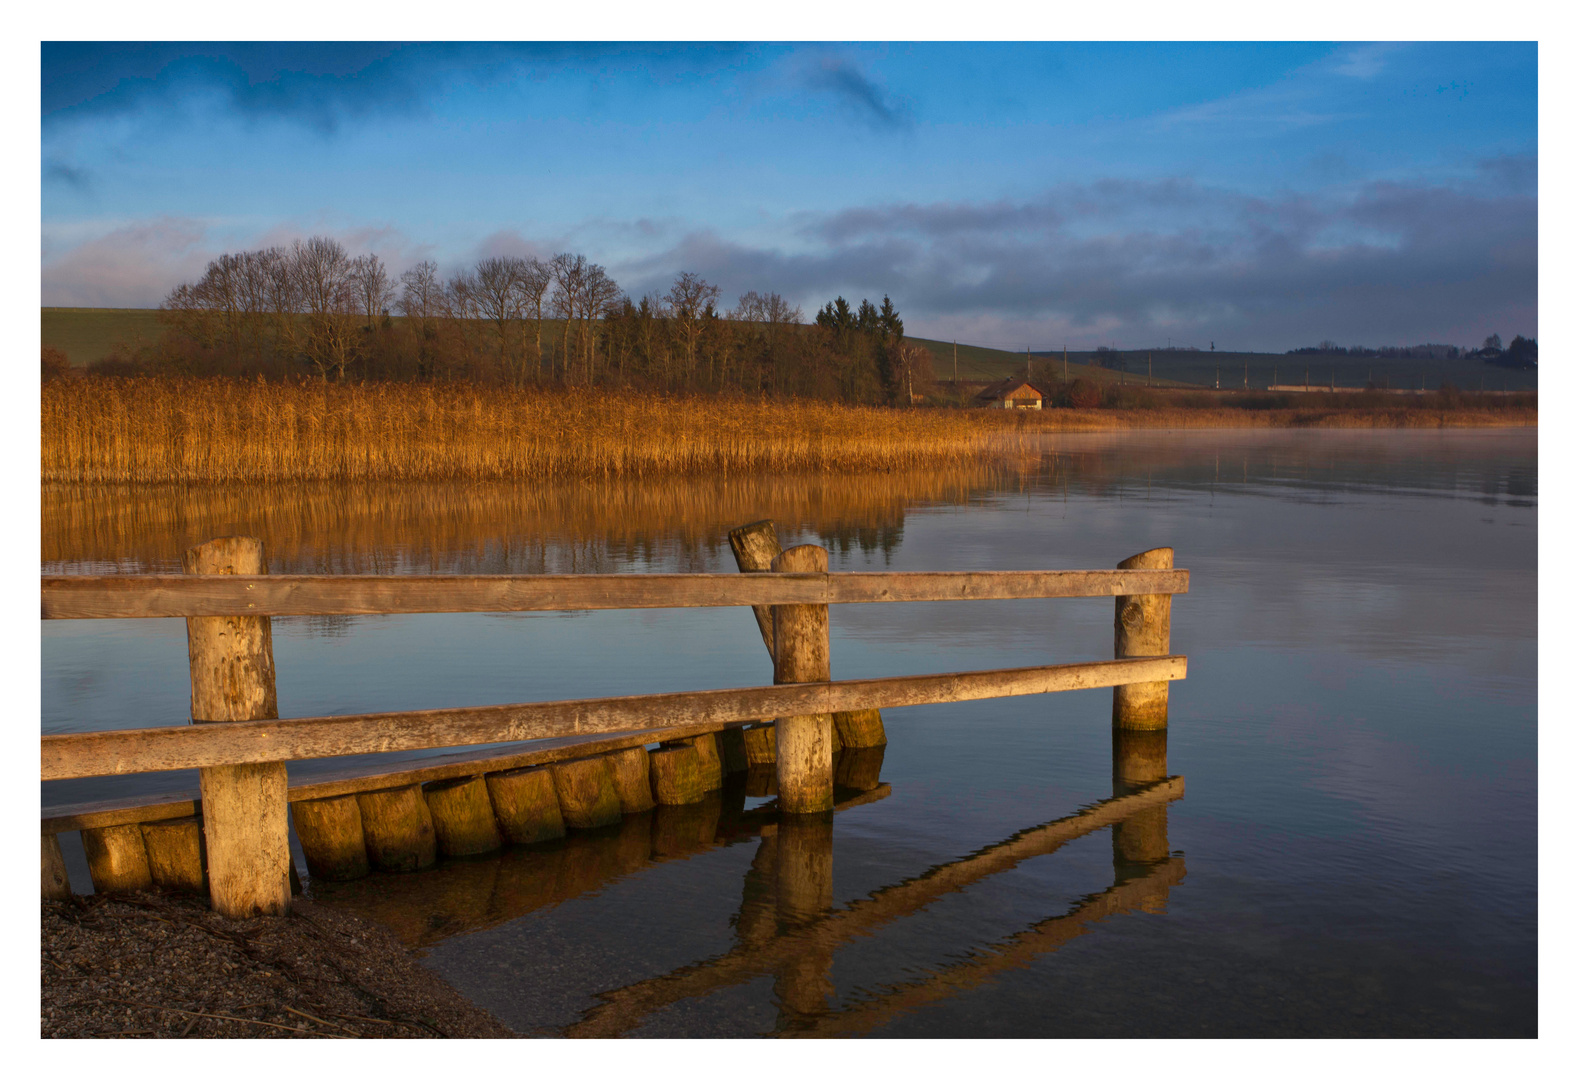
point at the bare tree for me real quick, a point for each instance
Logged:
(536, 277)
(570, 274)
(321, 272)
(373, 289)
(689, 298)
(421, 295)
(600, 298)
(422, 302)
(769, 315)
(500, 295)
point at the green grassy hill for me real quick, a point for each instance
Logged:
(1262, 369)
(983, 365)
(89, 334)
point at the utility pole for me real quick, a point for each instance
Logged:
(956, 362)
(1066, 361)
(1027, 363)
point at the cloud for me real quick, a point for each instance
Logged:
(1364, 62)
(839, 78)
(1135, 262)
(508, 242)
(321, 85)
(1120, 261)
(138, 263)
(62, 172)
(133, 265)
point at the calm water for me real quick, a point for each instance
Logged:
(1355, 853)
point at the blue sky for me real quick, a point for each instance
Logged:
(1258, 196)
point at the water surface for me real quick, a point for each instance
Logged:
(1354, 854)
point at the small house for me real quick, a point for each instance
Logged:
(1011, 394)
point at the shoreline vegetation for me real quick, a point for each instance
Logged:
(217, 429)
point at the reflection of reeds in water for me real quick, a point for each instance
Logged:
(497, 527)
(221, 430)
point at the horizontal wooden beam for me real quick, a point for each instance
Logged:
(149, 596)
(110, 753)
(363, 776)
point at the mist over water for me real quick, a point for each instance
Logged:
(1354, 853)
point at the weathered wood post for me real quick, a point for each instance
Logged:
(526, 805)
(245, 828)
(800, 655)
(57, 885)
(1140, 628)
(117, 859)
(330, 831)
(756, 546)
(175, 853)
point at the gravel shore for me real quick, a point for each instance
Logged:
(151, 965)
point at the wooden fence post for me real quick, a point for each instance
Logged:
(800, 655)
(245, 827)
(1140, 628)
(755, 547)
(57, 885)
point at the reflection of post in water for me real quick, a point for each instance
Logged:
(805, 896)
(1140, 758)
(767, 947)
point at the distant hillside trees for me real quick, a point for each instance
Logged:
(1521, 353)
(314, 308)
(1389, 352)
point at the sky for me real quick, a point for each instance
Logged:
(1251, 196)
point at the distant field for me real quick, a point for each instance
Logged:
(978, 364)
(1204, 369)
(89, 334)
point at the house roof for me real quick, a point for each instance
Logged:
(1011, 387)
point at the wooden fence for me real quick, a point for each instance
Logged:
(240, 745)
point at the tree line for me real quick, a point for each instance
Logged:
(315, 309)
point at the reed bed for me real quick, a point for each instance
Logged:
(160, 430)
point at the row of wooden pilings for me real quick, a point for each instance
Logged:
(408, 827)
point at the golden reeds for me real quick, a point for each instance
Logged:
(197, 430)
(158, 430)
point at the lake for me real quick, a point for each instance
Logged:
(1354, 853)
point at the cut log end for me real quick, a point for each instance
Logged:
(633, 785)
(586, 793)
(463, 822)
(175, 854)
(526, 805)
(330, 831)
(398, 828)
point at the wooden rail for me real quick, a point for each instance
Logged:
(240, 746)
(113, 753)
(145, 596)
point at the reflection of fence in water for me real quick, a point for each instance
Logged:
(787, 929)
(463, 896)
